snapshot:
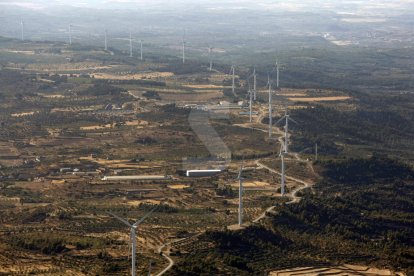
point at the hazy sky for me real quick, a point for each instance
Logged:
(356, 7)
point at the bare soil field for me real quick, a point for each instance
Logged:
(61, 141)
(22, 114)
(251, 184)
(137, 123)
(178, 186)
(204, 86)
(117, 164)
(52, 96)
(79, 66)
(23, 52)
(320, 99)
(9, 155)
(196, 96)
(138, 76)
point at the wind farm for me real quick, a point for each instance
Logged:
(128, 148)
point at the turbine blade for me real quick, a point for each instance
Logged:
(240, 172)
(293, 121)
(120, 219)
(281, 119)
(144, 217)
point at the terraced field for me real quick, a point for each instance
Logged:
(343, 270)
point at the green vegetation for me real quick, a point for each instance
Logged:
(357, 214)
(62, 129)
(385, 127)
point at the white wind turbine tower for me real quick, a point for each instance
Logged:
(233, 82)
(22, 29)
(141, 50)
(277, 75)
(70, 34)
(269, 83)
(133, 241)
(254, 83)
(106, 40)
(210, 57)
(183, 49)
(282, 153)
(250, 104)
(240, 178)
(287, 118)
(130, 44)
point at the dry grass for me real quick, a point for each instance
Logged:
(204, 86)
(19, 52)
(251, 184)
(54, 96)
(137, 123)
(118, 164)
(146, 201)
(79, 66)
(96, 127)
(320, 99)
(138, 76)
(76, 109)
(196, 96)
(22, 114)
(178, 186)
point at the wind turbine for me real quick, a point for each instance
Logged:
(183, 45)
(254, 82)
(250, 103)
(287, 118)
(70, 34)
(277, 75)
(282, 153)
(183, 49)
(133, 228)
(141, 51)
(130, 44)
(316, 151)
(233, 83)
(210, 57)
(240, 178)
(106, 40)
(269, 83)
(22, 29)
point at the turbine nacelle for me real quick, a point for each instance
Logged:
(133, 227)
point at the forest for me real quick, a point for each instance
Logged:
(355, 214)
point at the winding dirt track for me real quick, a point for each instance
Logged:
(292, 195)
(170, 261)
